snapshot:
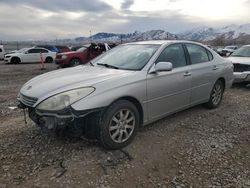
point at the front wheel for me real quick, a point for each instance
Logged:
(216, 95)
(119, 126)
(75, 62)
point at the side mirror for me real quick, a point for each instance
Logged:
(162, 66)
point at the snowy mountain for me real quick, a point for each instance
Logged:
(202, 33)
(136, 36)
(207, 33)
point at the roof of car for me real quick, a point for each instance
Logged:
(161, 42)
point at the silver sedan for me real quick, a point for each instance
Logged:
(130, 86)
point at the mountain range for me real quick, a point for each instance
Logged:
(239, 33)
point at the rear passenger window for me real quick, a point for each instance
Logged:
(197, 54)
(173, 54)
(34, 51)
(43, 51)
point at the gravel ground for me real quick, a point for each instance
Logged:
(194, 148)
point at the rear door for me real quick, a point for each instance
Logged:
(169, 91)
(203, 69)
(44, 54)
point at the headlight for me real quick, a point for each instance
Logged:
(64, 57)
(62, 100)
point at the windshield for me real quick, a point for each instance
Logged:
(127, 57)
(81, 49)
(242, 52)
(22, 50)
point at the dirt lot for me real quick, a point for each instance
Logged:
(195, 148)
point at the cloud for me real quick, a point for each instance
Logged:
(43, 19)
(127, 4)
(62, 5)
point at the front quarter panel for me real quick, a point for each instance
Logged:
(109, 91)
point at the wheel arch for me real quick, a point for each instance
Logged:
(15, 57)
(222, 79)
(137, 104)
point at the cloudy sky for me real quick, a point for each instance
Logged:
(51, 19)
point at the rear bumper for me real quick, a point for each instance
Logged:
(242, 76)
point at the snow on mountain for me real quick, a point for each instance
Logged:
(202, 33)
(208, 33)
(136, 36)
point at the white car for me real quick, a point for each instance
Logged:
(2, 52)
(30, 55)
(241, 61)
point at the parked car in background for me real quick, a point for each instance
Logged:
(62, 49)
(30, 55)
(81, 56)
(241, 61)
(48, 47)
(2, 52)
(129, 86)
(228, 50)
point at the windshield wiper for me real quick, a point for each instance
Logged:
(237, 55)
(90, 62)
(108, 66)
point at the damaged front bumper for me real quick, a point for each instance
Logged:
(51, 120)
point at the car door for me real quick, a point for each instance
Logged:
(169, 91)
(203, 69)
(31, 55)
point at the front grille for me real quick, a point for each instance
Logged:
(241, 68)
(28, 101)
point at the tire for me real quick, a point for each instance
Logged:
(216, 95)
(120, 123)
(15, 60)
(48, 60)
(74, 62)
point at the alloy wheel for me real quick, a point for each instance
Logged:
(122, 125)
(217, 94)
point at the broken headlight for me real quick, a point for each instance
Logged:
(63, 100)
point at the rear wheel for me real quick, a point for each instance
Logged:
(216, 95)
(15, 60)
(48, 60)
(75, 62)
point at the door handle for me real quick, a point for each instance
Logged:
(215, 68)
(187, 74)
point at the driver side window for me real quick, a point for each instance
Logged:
(174, 54)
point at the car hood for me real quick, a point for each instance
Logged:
(13, 54)
(240, 60)
(54, 82)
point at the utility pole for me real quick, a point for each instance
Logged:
(90, 36)
(121, 39)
